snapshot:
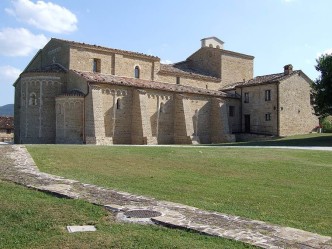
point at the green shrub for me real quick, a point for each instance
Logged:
(327, 125)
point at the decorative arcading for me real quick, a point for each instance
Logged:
(115, 92)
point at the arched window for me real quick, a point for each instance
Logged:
(137, 72)
(118, 104)
(218, 46)
(211, 46)
(33, 99)
(162, 108)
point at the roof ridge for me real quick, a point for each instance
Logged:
(106, 48)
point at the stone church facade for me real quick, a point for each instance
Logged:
(79, 93)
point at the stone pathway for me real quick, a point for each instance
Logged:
(17, 165)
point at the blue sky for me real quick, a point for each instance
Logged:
(276, 32)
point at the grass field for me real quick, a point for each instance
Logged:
(286, 187)
(31, 219)
(321, 139)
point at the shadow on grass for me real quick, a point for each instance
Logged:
(321, 140)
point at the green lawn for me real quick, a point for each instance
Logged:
(286, 187)
(31, 219)
(314, 139)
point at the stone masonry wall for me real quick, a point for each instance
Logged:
(110, 63)
(208, 60)
(257, 108)
(36, 63)
(69, 119)
(55, 52)
(296, 113)
(125, 66)
(235, 120)
(82, 60)
(220, 128)
(236, 68)
(186, 81)
(117, 113)
(36, 108)
(192, 119)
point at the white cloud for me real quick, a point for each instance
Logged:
(9, 74)
(165, 62)
(45, 16)
(20, 42)
(327, 51)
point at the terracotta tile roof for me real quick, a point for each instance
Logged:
(183, 69)
(53, 68)
(6, 122)
(113, 50)
(139, 83)
(261, 80)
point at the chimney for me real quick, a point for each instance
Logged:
(288, 69)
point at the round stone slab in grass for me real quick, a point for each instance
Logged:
(142, 214)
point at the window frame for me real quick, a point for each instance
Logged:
(118, 104)
(137, 72)
(268, 95)
(268, 116)
(96, 65)
(33, 100)
(246, 97)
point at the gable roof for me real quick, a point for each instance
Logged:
(213, 38)
(101, 48)
(6, 122)
(92, 77)
(266, 79)
(53, 68)
(183, 69)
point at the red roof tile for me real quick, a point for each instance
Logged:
(139, 83)
(261, 80)
(182, 69)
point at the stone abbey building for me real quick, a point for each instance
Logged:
(73, 92)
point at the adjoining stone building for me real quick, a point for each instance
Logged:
(6, 129)
(79, 93)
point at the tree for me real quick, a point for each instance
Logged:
(322, 87)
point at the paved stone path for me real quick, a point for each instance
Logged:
(17, 165)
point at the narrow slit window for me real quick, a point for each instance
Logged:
(246, 97)
(118, 104)
(137, 72)
(267, 95)
(162, 108)
(96, 65)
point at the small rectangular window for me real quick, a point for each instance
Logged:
(231, 111)
(268, 117)
(96, 65)
(9, 131)
(246, 97)
(267, 95)
(178, 80)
